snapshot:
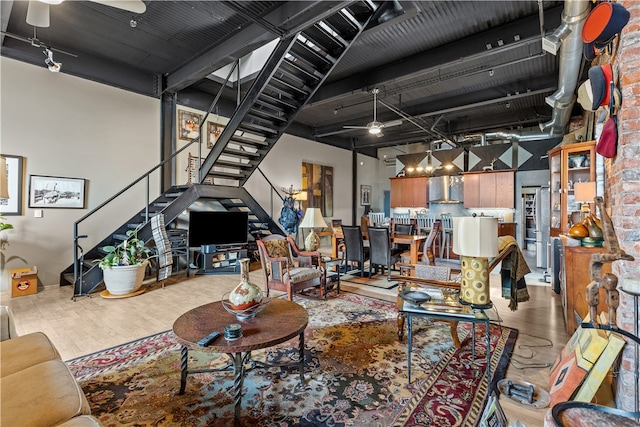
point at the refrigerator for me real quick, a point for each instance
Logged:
(542, 214)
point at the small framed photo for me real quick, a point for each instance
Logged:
(189, 124)
(12, 167)
(213, 133)
(365, 195)
(56, 192)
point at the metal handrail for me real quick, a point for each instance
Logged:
(146, 176)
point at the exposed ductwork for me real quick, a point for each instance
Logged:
(569, 37)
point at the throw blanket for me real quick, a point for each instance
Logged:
(514, 268)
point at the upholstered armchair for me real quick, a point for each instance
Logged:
(284, 274)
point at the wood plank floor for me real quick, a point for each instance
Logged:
(94, 323)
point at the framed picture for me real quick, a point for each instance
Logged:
(12, 205)
(365, 195)
(213, 133)
(56, 192)
(188, 124)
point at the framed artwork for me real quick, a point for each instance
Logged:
(12, 205)
(56, 192)
(365, 195)
(213, 133)
(317, 181)
(188, 124)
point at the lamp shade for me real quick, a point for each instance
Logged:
(475, 236)
(313, 219)
(584, 192)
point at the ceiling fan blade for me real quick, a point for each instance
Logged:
(354, 127)
(392, 123)
(135, 6)
(38, 13)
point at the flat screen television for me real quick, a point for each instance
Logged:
(217, 228)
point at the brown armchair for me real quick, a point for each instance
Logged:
(281, 272)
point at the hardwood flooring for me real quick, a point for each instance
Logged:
(94, 323)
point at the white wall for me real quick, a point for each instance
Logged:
(70, 127)
(283, 167)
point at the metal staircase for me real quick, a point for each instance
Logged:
(295, 70)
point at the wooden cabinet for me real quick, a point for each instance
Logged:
(568, 164)
(575, 277)
(489, 189)
(409, 192)
(507, 229)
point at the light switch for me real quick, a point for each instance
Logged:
(37, 213)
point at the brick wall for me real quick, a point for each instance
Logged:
(623, 192)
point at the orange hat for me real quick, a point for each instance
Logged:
(604, 22)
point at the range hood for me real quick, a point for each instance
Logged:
(442, 189)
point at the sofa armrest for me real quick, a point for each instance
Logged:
(7, 327)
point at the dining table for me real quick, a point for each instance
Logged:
(413, 240)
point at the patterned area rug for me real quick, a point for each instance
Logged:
(377, 280)
(356, 375)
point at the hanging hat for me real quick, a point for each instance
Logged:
(617, 101)
(589, 51)
(600, 77)
(604, 22)
(585, 96)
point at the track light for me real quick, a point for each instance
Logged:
(54, 66)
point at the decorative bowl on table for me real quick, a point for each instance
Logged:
(415, 297)
(244, 313)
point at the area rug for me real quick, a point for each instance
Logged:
(377, 280)
(356, 375)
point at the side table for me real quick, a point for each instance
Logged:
(331, 281)
(450, 312)
(278, 322)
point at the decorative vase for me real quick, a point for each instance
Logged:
(246, 294)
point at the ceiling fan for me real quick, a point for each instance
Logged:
(375, 127)
(38, 10)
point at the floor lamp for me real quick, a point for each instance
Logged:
(475, 239)
(312, 219)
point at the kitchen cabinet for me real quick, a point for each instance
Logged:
(507, 229)
(489, 189)
(409, 192)
(575, 276)
(569, 164)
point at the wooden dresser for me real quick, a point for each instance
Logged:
(575, 277)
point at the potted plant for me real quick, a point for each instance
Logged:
(125, 264)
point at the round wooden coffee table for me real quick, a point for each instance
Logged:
(279, 321)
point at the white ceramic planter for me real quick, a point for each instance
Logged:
(124, 279)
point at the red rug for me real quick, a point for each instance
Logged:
(355, 375)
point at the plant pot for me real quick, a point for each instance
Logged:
(124, 279)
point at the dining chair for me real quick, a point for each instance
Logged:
(402, 217)
(381, 253)
(280, 271)
(428, 248)
(376, 219)
(402, 229)
(445, 236)
(424, 222)
(355, 251)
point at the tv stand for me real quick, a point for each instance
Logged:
(221, 259)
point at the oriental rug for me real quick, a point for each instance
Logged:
(376, 280)
(356, 375)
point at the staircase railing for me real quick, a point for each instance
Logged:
(146, 176)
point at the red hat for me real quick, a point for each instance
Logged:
(600, 77)
(604, 22)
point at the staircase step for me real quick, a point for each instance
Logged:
(272, 100)
(304, 91)
(264, 114)
(249, 141)
(305, 69)
(236, 165)
(254, 127)
(302, 50)
(281, 92)
(234, 152)
(226, 175)
(285, 112)
(320, 35)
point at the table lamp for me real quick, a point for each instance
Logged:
(475, 239)
(584, 193)
(312, 219)
(300, 197)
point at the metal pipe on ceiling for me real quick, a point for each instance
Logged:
(569, 35)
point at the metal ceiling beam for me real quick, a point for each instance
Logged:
(298, 14)
(457, 51)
